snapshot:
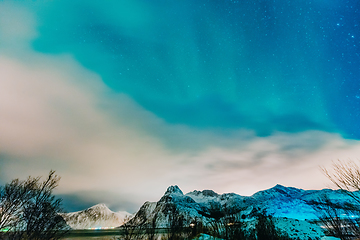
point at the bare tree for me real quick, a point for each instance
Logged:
(337, 218)
(151, 228)
(129, 231)
(176, 221)
(29, 210)
(226, 224)
(266, 230)
(196, 227)
(345, 176)
(232, 225)
(135, 231)
(13, 197)
(342, 220)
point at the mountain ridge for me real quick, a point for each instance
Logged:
(288, 206)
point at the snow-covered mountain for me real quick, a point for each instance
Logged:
(289, 206)
(98, 216)
(173, 201)
(278, 201)
(290, 202)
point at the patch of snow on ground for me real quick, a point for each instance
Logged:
(299, 229)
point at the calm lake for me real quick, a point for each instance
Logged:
(109, 234)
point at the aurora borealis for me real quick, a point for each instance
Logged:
(124, 98)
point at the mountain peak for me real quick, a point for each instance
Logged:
(100, 206)
(173, 189)
(279, 186)
(206, 193)
(96, 216)
(292, 190)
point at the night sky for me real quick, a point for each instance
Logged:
(124, 98)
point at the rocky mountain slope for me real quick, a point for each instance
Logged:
(289, 206)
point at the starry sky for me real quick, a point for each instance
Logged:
(124, 98)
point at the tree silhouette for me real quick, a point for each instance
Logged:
(346, 176)
(342, 220)
(266, 230)
(29, 210)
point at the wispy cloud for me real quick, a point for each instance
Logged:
(57, 115)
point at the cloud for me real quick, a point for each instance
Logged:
(266, 161)
(54, 114)
(57, 114)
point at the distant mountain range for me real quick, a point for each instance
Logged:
(278, 201)
(290, 206)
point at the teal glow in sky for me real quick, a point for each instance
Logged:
(126, 97)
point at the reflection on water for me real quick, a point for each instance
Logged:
(110, 234)
(94, 238)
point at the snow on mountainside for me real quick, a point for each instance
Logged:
(289, 206)
(281, 201)
(278, 201)
(98, 216)
(289, 202)
(161, 210)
